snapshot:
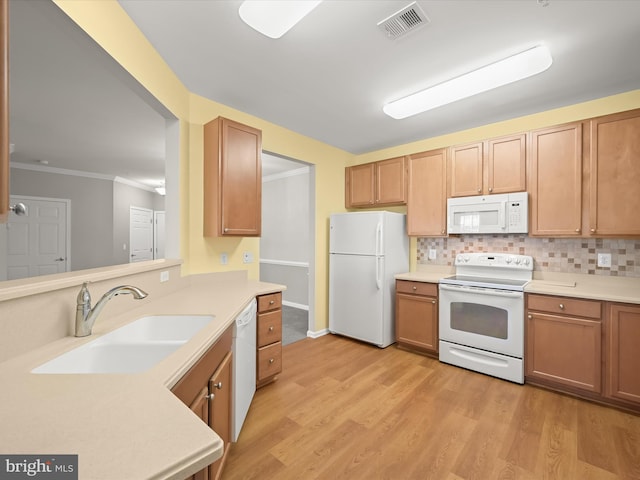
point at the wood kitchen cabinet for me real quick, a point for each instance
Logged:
(376, 184)
(564, 343)
(269, 341)
(232, 179)
(206, 388)
(623, 353)
(417, 316)
(427, 194)
(493, 166)
(614, 189)
(555, 183)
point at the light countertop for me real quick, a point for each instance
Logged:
(125, 426)
(594, 287)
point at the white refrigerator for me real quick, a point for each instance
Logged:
(366, 251)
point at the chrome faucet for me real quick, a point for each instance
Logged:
(86, 316)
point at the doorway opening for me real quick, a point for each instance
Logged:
(287, 244)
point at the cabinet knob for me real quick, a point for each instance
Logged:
(433, 301)
(218, 385)
(271, 302)
(529, 317)
(490, 189)
(271, 328)
(271, 360)
(211, 396)
(561, 306)
(593, 230)
(479, 190)
(226, 230)
(415, 288)
(442, 232)
(577, 230)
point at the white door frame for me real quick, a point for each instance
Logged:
(13, 199)
(159, 235)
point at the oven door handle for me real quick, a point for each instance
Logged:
(481, 291)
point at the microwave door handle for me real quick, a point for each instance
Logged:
(483, 291)
(503, 213)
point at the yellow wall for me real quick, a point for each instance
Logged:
(109, 25)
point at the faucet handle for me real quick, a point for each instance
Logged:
(84, 297)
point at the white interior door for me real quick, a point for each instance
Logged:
(140, 234)
(38, 242)
(158, 234)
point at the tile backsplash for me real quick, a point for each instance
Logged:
(567, 255)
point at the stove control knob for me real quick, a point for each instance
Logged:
(509, 260)
(517, 260)
(525, 261)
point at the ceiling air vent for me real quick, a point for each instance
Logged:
(403, 21)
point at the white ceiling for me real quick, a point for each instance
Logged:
(327, 78)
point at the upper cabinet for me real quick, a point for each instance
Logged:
(427, 196)
(555, 183)
(4, 110)
(376, 184)
(232, 179)
(614, 189)
(493, 166)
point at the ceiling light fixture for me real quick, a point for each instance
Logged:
(274, 18)
(511, 69)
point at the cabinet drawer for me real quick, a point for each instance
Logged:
(269, 360)
(418, 288)
(269, 328)
(565, 306)
(269, 302)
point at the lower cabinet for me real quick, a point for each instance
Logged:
(417, 316)
(269, 341)
(206, 389)
(623, 353)
(564, 338)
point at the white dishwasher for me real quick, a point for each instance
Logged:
(244, 366)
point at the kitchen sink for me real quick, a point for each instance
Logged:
(133, 348)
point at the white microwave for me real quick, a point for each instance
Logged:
(504, 213)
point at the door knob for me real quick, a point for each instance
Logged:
(59, 259)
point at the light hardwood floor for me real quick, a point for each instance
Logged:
(345, 410)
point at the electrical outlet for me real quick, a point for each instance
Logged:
(604, 260)
(432, 254)
(224, 259)
(247, 257)
(164, 276)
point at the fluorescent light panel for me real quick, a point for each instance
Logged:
(274, 18)
(511, 69)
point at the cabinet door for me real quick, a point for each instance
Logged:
(232, 179)
(564, 350)
(466, 170)
(556, 181)
(360, 185)
(615, 175)
(623, 353)
(200, 407)
(427, 196)
(391, 181)
(417, 321)
(220, 410)
(506, 164)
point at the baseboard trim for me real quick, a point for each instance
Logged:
(317, 334)
(295, 305)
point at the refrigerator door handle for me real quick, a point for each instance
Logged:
(378, 279)
(379, 239)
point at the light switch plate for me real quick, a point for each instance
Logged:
(432, 254)
(604, 260)
(247, 257)
(224, 259)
